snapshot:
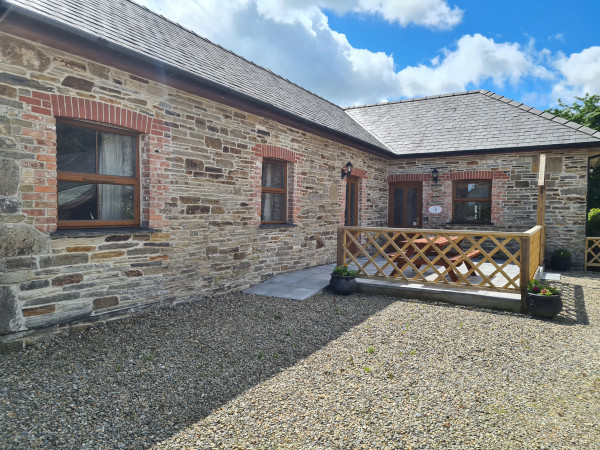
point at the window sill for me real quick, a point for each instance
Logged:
(91, 232)
(276, 225)
(486, 224)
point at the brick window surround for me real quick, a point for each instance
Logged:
(273, 152)
(39, 191)
(443, 190)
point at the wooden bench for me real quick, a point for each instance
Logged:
(466, 260)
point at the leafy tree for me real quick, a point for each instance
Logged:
(586, 111)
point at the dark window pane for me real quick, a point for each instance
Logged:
(80, 201)
(272, 207)
(399, 208)
(116, 154)
(472, 212)
(273, 176)
(77, 201)
(472, 189)
(412, 206)
(351, 188)
(75, 149)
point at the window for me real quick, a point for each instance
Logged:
(472, 201)
(97, 172)
(274, 192)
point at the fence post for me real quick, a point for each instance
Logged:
(585, 254)
(525, 256)
(340, 246)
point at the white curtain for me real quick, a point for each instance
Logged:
(116, 157)
(268, 198)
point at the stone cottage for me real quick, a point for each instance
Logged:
(151, 167)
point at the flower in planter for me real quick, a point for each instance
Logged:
(540, 288)
(342, 271)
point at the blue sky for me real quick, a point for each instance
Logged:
(366, 51)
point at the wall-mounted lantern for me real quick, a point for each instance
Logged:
(434, 175)
(348, 170)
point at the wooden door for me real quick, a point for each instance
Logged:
(351, 213)
(405, 205)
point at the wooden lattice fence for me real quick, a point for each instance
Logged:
(592, 252)
(468, 259)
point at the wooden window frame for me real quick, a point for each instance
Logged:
(271, 190)
(96, 178)
(404, 185)
(470, 200)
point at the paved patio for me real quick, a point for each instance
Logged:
(303, 284)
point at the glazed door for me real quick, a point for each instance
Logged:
(351, 202)
(351, 213)
(405, 205)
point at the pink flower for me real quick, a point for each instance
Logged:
(545, 292)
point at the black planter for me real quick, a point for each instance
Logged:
(342, 285)
(545, 306)
(562, 264)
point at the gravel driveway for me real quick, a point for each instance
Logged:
(362, 371)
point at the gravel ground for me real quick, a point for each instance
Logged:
(246, 371)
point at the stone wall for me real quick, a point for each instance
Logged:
(200, 178)
(514, 192)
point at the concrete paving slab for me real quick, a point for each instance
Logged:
(549, 276)
(298, 285)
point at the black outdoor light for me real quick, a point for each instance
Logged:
(348, 170)
(434, 175)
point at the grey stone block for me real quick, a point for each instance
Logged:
(9, 177)
(9, 205)
(9, 310)
(21, 240)
(63, 260)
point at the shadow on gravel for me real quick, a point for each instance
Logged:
(138, 381)
(574, 312)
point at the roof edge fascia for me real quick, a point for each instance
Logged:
(528, 149)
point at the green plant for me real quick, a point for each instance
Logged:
(371, 350)
(288, 331)
(367, 370)
(593, 222)
(148, 357)
(260, 355)
(342, 271)
(540, 288)
(562, 253)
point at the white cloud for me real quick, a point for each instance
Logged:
(293, 38)
(430, 13)
(580, 74)
(475, 59)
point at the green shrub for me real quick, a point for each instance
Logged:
(593, 222)
(343, 271)
(562, 253)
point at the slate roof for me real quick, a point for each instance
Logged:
(467, 121)
(136, 28)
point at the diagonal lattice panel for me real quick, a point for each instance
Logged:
(592, 252)
(477, 260)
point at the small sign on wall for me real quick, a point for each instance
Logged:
(435, 209)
